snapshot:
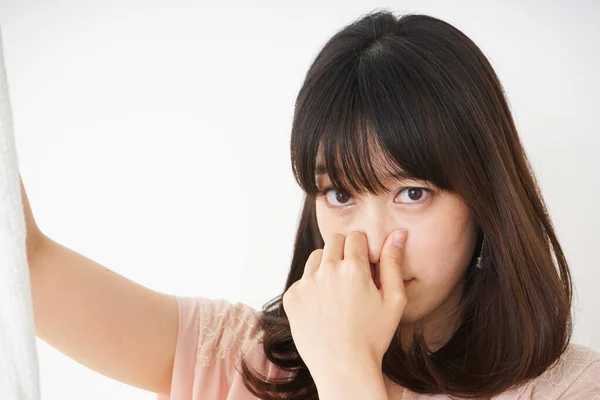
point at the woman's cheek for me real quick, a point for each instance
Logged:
(422, 254)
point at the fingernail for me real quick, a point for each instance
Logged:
(399, 237)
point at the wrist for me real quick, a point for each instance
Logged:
(351, 381)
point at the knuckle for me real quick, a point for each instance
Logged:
(354, 264)
(354, 268)
(394, 259)
(315, 257)
(317, 253)
(290, 292)
(287, 298)
(356, 234)
(337, 236)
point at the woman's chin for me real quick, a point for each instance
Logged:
(409, 317)
(405, 320)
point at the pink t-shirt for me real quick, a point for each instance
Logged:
(213, 333)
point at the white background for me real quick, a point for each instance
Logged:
(153, 137)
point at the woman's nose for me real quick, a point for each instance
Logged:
(376, 223)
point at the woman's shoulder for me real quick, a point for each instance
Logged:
(575, 375)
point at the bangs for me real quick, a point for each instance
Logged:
(356, 164)
(368, 119)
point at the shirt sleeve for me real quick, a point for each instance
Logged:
(213, 334)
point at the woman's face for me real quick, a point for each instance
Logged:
(440, 242)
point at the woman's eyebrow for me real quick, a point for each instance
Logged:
(320, 170)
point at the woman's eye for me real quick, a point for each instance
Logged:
(414, 194)
(409, 195)
(339, 196)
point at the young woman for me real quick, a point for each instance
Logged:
(401, 126)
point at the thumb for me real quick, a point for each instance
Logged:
(391, 263)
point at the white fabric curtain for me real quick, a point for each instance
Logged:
(19, 377)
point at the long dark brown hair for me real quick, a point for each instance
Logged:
(426, 95)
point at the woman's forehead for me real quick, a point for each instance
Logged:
(384, 168)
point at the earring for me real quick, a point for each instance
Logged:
(480, 253)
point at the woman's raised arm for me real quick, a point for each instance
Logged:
(99, 318)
